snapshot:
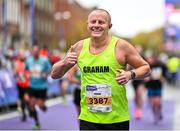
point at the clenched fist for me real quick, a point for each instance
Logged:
(122, 77)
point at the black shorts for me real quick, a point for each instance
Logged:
(84, 125)
(136, 83)
(22, 92)
(38, 94)
(77, 96)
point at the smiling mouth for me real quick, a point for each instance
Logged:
(96, 30)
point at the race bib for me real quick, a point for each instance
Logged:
(36, 71)
(98, 97)
(156, 73)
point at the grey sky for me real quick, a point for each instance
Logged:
(131, 16)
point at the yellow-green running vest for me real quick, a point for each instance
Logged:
(99, 103)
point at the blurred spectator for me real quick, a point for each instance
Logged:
(74, 76)
(44, 52)
(54, 56)
(163, 57)
(9, 57)
(154, 85)
(63, 82)
(22, 81)
(173, 64)
(7, 84)
(2, 92)
(39, 68)
(138, 86)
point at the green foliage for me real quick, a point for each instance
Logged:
(150, 40)
(78, 32)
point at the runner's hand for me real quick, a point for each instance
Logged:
(71, 57)
(122, 77)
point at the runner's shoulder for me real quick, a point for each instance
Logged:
(78, 46)
(122, 44)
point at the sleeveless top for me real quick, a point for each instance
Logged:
(103, 100)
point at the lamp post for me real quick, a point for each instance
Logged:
(61, 17)
(32, 21)
(4, 24)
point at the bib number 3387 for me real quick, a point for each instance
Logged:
(98, 98)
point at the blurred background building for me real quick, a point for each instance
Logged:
(69, 22)
(54, 23)
(60, 23)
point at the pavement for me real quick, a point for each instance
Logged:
(63, 116)
(170, 109)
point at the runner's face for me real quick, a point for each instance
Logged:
(98, 24)
(35, 51)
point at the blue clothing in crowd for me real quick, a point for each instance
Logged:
(37, 68)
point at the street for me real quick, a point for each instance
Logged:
(64, 117)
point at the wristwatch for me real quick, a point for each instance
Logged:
(133, 74)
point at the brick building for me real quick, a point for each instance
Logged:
(54, 23)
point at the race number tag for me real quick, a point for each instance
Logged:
(98, 98)
(156, 73)
(36, 71)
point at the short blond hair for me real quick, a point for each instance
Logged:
(103, 10)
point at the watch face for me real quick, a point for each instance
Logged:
(133, 75)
